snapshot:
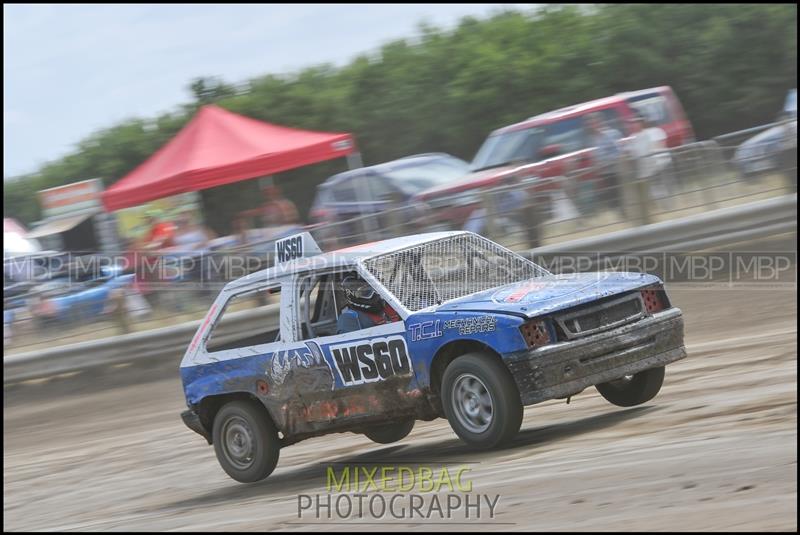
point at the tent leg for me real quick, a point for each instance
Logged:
(354, 160)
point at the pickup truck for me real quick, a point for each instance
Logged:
(480, 332)
(544, 147)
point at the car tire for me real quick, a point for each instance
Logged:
(388, 433)
(481, 401)
(633, 390)
(245, 441)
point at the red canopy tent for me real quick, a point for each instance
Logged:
(220, 147)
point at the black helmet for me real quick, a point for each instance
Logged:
(361, 295)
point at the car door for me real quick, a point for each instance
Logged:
(370, 370)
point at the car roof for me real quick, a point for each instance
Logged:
(348, 256)
(414, 159)
(576, 109)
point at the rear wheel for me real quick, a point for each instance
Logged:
(388, 433)
(633, 389)
(245, 441)
(481, 400)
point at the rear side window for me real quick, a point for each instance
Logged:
(247, 320)
(653, 106)
(344, 192)
(380, 189)
(412, 179)
(324, 196)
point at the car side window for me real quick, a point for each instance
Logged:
(227, 333)
(344, 192)
(569, 134)
(319, 303)
(380, 188)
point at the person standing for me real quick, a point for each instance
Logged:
(276, 210)
(160, 231)
(604, 139)
(639, 149)
(190, 235)
(658, 163)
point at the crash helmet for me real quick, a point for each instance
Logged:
(360, 295)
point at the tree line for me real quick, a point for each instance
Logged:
(445, 90)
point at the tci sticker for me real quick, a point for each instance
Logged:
(371, 360)
(480, 324)
(425, 330)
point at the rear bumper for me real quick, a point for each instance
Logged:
(563, 369)
(192, 421)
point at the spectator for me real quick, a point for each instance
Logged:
(498, 213)
(161, 231)
(604, 139)
(190, 235)
(567, 201)
(654, 161)
(276, 210)
(524, 209)
(241, 229)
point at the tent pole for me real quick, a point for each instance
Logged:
(354, 160)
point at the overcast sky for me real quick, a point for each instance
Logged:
(69, 70)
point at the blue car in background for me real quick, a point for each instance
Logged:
(761, 153)
(68, 298)
(374, 189)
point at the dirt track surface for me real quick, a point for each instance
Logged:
(715, 450)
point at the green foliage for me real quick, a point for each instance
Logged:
(730, 65)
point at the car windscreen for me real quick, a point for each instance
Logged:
(440, 270)
(525, 145)
(415, 178)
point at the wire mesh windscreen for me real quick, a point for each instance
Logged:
(445, 269)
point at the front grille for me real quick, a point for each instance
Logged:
(600, 317)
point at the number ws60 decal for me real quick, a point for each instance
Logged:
(368, 361)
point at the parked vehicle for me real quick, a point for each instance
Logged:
(374, 189)
(553, 144)
(761, 153)
(69, 294)
(477, 333)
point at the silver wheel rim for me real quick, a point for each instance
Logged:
(472, 403)
(238, 443)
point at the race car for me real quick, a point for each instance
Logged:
(479, 332)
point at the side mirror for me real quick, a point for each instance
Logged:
(550, 151)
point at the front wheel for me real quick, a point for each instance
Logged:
(388, 433)
(481, 400)
(245, 441)
(634, 389)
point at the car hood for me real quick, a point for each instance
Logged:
(474, 178)
(543, 295)
(770, 135)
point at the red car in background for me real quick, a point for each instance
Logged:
(549, 145)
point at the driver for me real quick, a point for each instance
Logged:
(365, 308)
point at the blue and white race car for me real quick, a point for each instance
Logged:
(477, 333)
